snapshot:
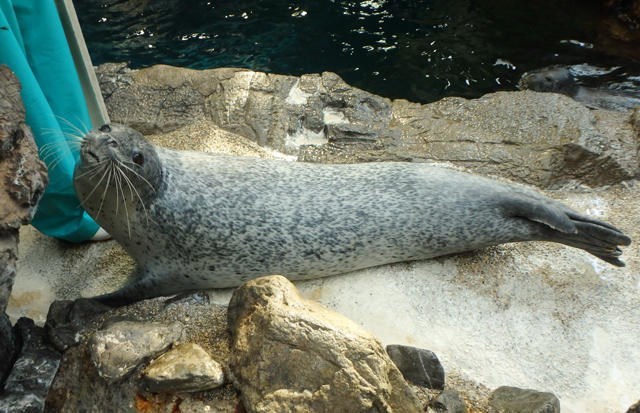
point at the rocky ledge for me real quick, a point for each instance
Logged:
(535, 315)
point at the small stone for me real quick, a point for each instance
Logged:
(117, 350)
(507, 399)
(449, 401)
(418, 366)
(185, 368)
(35, 368)
(635, 408)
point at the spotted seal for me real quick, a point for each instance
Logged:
(196, 220)
(560, 79)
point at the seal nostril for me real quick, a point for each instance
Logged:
(105, 128)
(93, 155)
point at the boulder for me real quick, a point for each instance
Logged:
(23, 178)
(293, 355)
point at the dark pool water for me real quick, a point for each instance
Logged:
(417, 50)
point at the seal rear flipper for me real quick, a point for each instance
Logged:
(537, 210)
(596, 237)
(567, 227)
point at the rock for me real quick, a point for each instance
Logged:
(507, 399)
(124, 345)
(449, 401)
(68, 320)
(23, 178)
(28, 383)
(78, 387)
(293, 355)
(418, 366)
(635, 408)
(282, 112)
(554, 140)
(9, 347)
(618, 33)
(185, 368)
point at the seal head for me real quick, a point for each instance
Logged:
(118, 176)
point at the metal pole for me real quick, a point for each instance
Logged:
(82, 60)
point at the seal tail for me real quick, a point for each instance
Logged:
(564, 226)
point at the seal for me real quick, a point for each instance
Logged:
(198, 221)
(560, 79)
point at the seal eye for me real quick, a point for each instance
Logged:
(105, 128)
(138, 158)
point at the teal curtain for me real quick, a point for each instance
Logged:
(33, 45)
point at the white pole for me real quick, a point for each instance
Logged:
(82, 61)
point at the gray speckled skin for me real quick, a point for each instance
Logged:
(215, 221)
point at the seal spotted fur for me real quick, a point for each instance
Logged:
(196, 220)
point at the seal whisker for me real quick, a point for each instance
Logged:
(132, 188)
(138, 175)
(126, 212)
(86, 198)
(118, 180)
(73, 126)
(93, 170)
(106, 188)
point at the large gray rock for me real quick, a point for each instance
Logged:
(282, 112)
(293, 355)
(539, 138)
(23, 178)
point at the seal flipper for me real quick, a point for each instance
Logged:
(147, 286)
(567, 227)
(596, 237)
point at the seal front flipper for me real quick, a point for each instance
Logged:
(141, 288)
(570, 228)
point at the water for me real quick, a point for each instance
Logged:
(417, 50)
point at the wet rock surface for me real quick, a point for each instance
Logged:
(418, 366)
(507, 399)
(293, 355)
(122, 346)
(28, 384)
(185, 368)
